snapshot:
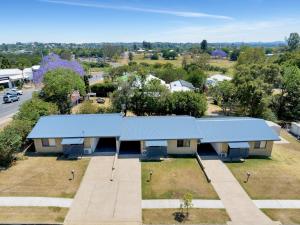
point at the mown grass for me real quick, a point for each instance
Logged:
(43, 176)
(196, 216)
(285, 216)
(277, 177)
(32, 214)
(173, 178)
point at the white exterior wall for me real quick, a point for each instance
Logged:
(174, 150)
(217, 147)
(295, 128)
(94, 142)
(220, 148)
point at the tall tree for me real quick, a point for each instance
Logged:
(287, 104)
(59, 84)
(225, 94)
(251, 56)
(293, 41)
(204, 45)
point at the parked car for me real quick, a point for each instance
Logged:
(19, 92)
(10, 97)
(100, 100)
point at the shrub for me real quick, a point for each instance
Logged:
(12, 138)
(103, 109)
(34, 108)
(87, 107)
(103, 89)
(155, 56)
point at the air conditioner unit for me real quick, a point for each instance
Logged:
(87, 151)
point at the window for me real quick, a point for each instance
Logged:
(45, 142)
(52, 142)
(48, 142)
(260, 144)
(183, 143)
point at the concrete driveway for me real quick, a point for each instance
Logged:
(101, 201)
(238, 204)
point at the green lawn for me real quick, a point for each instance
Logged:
(32, 215)
(173, 178)
(196, 216)
(285, 216)
(229, 65)
(43, 176)
(139, 58)
(274, 178)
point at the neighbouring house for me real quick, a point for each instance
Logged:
(141, 50)
(9, 76)
(181, 85)
(230, 137)
(75, 97)
(137, 82)
(218, 54)
(295, 129)
(214, 79)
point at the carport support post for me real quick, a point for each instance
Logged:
(118, 145)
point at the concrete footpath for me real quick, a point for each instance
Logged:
(35, 201)
(146, 204)
(237, 203)
(217, 204)
(105, 202)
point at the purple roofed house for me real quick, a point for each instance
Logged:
(52, 62)
(218, 53)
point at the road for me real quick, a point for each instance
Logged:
(96, 78)
(9, 109)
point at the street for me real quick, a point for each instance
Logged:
(9, 109)
(96, 77)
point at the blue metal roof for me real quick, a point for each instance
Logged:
(235, 129)
(72, 141)
(68, 126)
(238, 145)
(159, 128)
(153, 128)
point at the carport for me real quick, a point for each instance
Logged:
(206, 149)
(156, 148)
(130, 147)
(238, 150)
(72, 146)
(106, 144)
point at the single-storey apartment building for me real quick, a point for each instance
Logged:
(230, 136)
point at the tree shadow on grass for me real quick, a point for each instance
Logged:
(180, 217)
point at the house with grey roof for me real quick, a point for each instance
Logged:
(181, 85)
(231, 137)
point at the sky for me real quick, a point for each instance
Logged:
(83, 21)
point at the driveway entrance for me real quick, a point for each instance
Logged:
(105, 202)
(238, 204)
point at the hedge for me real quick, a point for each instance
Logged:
(103, 89)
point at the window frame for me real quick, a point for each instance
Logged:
(186, 143)
(52, 142)
(260, 144)
(45, 142)
(48, 142)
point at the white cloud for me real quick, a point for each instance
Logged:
(147, 10)
(234, 31)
